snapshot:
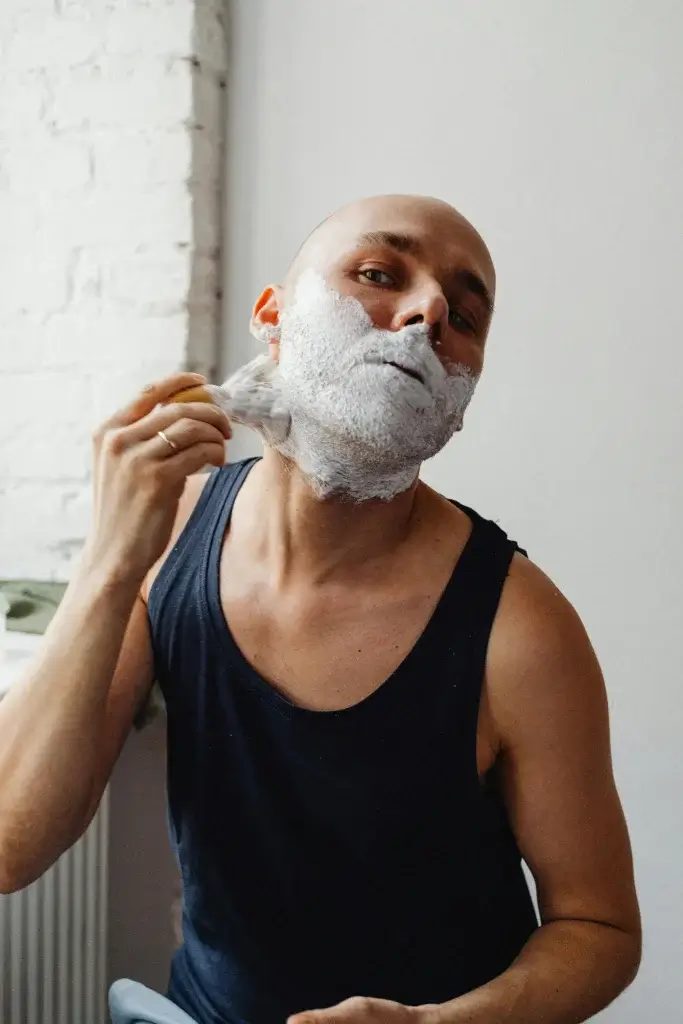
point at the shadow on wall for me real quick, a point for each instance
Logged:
(143, 879)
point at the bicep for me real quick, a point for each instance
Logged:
(134, 674)
(129, 689)
(548, 700)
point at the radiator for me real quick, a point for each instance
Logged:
(53, 938)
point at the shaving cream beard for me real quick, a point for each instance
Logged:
(361, 427)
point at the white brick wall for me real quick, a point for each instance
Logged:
(111, 137)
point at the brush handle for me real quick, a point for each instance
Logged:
(197, 394)
(245, 400)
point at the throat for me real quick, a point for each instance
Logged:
(299, 534)
(337, 623)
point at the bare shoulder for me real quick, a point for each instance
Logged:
(535, 620)
(540, 662)
(194, 486)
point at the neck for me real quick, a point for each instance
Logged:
(321, 538)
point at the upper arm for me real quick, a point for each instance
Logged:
(134, 675)
(547, 701)
(129, 689)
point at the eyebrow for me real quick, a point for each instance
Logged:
(408, 244)
(393, 240)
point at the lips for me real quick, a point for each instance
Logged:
(407, 370)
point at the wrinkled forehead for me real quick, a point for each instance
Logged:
(443, 239)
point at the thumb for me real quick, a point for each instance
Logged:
(151, 396)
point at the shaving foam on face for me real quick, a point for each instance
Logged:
(366, 406)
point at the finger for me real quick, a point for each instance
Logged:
(334, 1016)
(165, 417)
(182, 435)
(150, 396)
(180, 464)
(196, 457)
(356, 1010)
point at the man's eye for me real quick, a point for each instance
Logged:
(459, 322)
(378, 277)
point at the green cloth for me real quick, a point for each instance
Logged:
(31, 604)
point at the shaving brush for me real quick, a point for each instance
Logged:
(195, 394)
(251, 396)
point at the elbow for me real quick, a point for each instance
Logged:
(15, 877)
(8, 880)
(11, 881)
(633, 956)
(17, 871)
(13, 874)
(633, 944)
(25, 856)
(9, 885)
(626, 956)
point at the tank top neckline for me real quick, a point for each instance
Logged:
(399, 682)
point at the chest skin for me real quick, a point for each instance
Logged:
(330, 644)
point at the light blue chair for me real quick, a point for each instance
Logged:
(132, 1003)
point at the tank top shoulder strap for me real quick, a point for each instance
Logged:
(469, 603)
(482, 571)
(207, 520)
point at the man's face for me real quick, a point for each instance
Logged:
(409, 260)
(379, 334)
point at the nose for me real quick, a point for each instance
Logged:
(428, 307)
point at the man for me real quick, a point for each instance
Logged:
(375, 702)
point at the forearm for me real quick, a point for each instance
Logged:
(568, 971)
(51, 721)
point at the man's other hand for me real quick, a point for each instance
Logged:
(361, 1010)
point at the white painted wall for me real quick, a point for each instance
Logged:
(556, 127)
(111, 128)
(111, 166)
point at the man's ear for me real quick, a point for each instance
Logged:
(265, 318)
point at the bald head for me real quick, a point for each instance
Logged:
(407, 260)
(433, 225)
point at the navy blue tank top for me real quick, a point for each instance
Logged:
(330, 854)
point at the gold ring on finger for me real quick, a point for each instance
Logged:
(164, 437)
